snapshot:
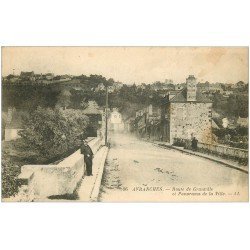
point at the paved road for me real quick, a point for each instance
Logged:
(140, 171)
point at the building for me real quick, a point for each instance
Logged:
(173, 93)
(147, 122)
(13, 123)
(225, 122)
(215, 87)
(27, 76)
(49, 76)
(186, 115)
(227, 93)
(128, 124)
(153, 119)
(95, 115)
(115, 122)
(100, 87)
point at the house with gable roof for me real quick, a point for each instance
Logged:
(187, 114)
(95, 115)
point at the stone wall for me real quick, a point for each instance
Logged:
(224, 150)
(191, 119)
(42, 181)
(217, 149)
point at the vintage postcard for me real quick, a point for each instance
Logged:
(125, 124)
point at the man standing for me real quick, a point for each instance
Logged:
(88, 156)
(194, 144)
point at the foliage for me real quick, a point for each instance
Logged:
(50, 135)
(10, 172)
(234, 106)
(237, 137)
(28, 96)
(64, 99)
(53, 132)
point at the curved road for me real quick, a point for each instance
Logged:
(140, 171)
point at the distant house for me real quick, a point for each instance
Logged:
(13, 124)
(27, 76)
(118, 85)
(115, 121)
(49, 76)
(215, 87)
(10, 79)
(38, 77)
(230, 123)
(100, 87)
(66, 78)
(111, 88)
(225, 122)
(242, 122)
(227, 93)
(173, 93)
(14, 79)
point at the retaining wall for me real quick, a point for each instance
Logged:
(51, 180)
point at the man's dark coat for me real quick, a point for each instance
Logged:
(88, 156)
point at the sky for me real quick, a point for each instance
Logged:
(132, 64)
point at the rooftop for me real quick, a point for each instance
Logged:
(181, 97)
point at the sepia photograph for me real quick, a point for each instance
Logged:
(124, 124)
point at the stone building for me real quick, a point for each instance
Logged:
(186, 115)
(115, 121)
(12, 123)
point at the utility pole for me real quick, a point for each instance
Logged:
(106, 118)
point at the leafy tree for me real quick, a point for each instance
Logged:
(64, 99)
(53, 132)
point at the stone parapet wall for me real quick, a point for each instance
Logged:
(225, 150)
(42, 181)
(218, 149)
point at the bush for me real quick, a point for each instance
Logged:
(49, 135)
(10, 172)
(179, 142)
(54, 132)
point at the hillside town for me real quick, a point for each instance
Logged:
(152, 121)
(139, 136)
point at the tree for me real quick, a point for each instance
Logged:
(64, 99)
(53, 132)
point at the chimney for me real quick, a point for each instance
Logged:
(191, 88)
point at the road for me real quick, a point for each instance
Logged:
(139, 171)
